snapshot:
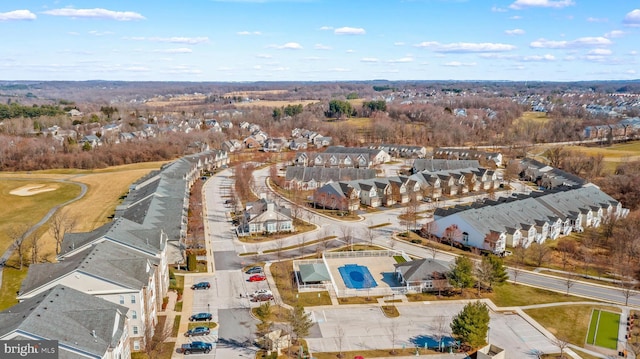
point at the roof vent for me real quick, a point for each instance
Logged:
(93, 333)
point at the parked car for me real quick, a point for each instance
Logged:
(257, 278)
(254, 270)
(200, 317)
(201, 285)
(261, 291)
(197, 331)
(262, 297)
(196, 347)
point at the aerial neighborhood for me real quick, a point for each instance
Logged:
(239, 214)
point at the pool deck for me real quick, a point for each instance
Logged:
(376, 265)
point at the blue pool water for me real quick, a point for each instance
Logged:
(357, 276)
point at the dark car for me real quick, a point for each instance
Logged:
(264, 297)
(254, 270)
(200, 317)
(201, 285)
(196, 347)
(197, 331)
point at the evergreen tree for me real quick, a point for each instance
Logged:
(471, 325)
(300, 322)
(461, 274)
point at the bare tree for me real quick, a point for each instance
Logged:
(339, 340)
(567, 248)
(516, 270)
(58, 227)
(279, 248)
(393, 329)
(370, 232)
(154, 337)
(562, 343)
(439, 328)
(34, 245)
(347, 235)
(18, 237)
(569, 281)
(539, 253)
(302, 242)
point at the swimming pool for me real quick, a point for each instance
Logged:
(357, 277)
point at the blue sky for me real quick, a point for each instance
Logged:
(320, 40)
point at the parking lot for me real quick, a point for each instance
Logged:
(363, 328)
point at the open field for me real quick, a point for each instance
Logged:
(603, 329)
(532, 116)
(19, 212)
(274, 103)
(105, 188)
(567, 321)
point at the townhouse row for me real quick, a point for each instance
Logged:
(102, 296)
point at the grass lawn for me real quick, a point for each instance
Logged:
(382, 353)
(567, 321)
(399, 259)
(178, 306)
(211, 325)
(11, 280)
(358, 300)
(390, 311)
(165, 352)
(603, 329)
(282, 274)
(278, 313)
(176, 326)
(509, 295)
(21, 212)
(584, 355)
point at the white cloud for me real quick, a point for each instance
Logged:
(515, 17)
(399, 43)
(498, 9)
(401, 60)
(614, 33)
(537, 58)
(321, 47)
(247, 33)
(514, 32)
(339, 69)
(257, 67)
(349, 31)
(181, 70)
(350, 51)
(96, 14)
(563, 44)
(597, 19)
(632, 18)
(137, 69)
(180, 50)
(522, 4)
(180, 40)
(288, 46)
(631, 72)
(369, 59)
(326, 28)
(467, 46)
(17, 15)
(601, 52)
(264, 56)
(633, 52)
(569, 58)
(100, 33)
(459, 64)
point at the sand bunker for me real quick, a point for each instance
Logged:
(30, 190)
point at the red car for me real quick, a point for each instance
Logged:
(257, 278)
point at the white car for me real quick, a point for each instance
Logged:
(261, 291)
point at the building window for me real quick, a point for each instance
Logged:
(136, 345)
(134, 314)
(133, 299)
(465, 237)
(122, 299)
(135, 330)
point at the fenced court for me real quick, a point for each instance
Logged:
(357, 276)
(603, 329)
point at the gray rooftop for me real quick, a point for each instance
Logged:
(69, 316)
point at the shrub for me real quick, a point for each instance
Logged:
(192, 262)
(416, 241)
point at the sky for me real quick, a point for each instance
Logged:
(320, 40)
